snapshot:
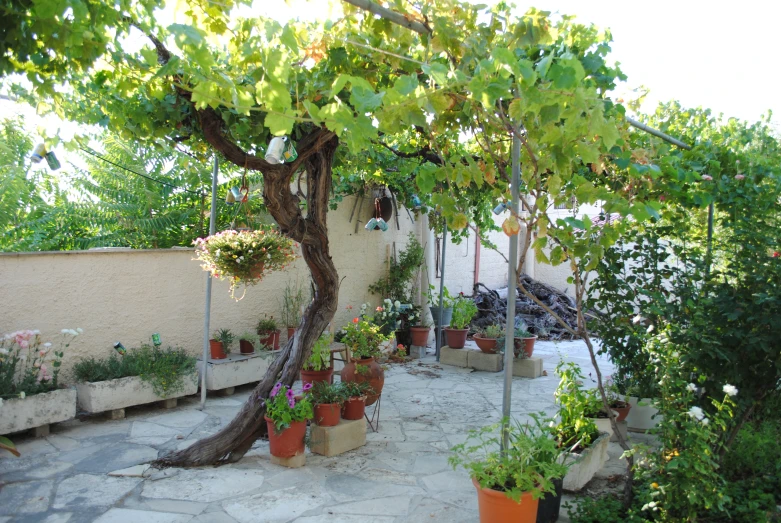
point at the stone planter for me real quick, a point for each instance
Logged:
(583, 466)
(38, 410)
(235, 370)
(604, 425)
(112, 395)
(642, 415)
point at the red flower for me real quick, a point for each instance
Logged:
(776, 254)
(355, 320)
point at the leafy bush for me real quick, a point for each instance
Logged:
(320, 359)
(363, 338)
(574, 430)
(398, 285)
(604, 509)
(464, 309)
(165, 369)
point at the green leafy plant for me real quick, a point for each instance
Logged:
(354, 389)
(283, 408)
(523, 332)
(574, 431)
(464, 309)
(433, 297)
(529, 464)
(363, 338)
(248, 336)
(28, 365)
(226, 337)
(320, 359)
(266, 325)
(492, 331)
(244, 257)
(397, 286)
(386, 316)
(164, 369)
(326, 393)
(293, 300)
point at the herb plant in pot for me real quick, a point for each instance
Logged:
(487, 338)
(524, 341)
(464, 309)
(364, 339)
(286, 416)
(268, 332)
(354, 394)
(247, 343)
(219, 345)
(434, 305)
(318, 367)
(328, 400)
(510, 484)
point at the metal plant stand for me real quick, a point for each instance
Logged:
(374, 421)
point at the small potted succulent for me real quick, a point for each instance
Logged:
(354, 394)
(510, 484)
(328, 400)
(464, 309)
(286, 417)
(219, 345)
(524, 342)
(268, 332)
(247, 343)
(364, 339)
(487, 338)
(318, 367)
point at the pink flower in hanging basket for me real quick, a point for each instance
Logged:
(707, 177)
(740, 176)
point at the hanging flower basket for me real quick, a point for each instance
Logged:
(244, 257)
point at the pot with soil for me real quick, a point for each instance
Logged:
(354, 395)
(216, 350)
(464, 309)
(365, 370)
(268, 332)
(316, 376)
(219, 345)
(495, 506)
(288, 442)
(621, 408)
(327, 400)
(419, 335)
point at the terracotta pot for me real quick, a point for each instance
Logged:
(290, 332)
(456, 338)
(313, 376)
(257, 271)
(353, 408)
(217, 350)
(487, 345)
(525, 344)
(496, 507)
(289, 442)
(623, 412)
(419, 335)
(371, 373)
(246, 347)
(327, 414)
(270, 339)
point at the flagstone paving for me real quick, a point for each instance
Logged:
(92, 469)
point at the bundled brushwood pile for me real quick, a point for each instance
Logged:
(492, 309)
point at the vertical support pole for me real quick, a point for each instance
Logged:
(208, 307)
(441, 288)
(710, 239)
(512, 282)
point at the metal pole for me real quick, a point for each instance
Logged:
(441, 289)
(710, 239)
(208, 308)
(657, 133)
(512, 279)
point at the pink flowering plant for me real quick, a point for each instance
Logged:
(245, 257)
(285, 406)
(28, 364)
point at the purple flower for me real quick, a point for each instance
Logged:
(307, 386)
(275, 390)
(291, 402)
(290, 394)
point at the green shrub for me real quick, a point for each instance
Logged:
(163, 369)
(604, 509)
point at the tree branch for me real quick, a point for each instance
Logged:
(401, 19)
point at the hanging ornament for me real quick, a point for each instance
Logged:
(38, 153)
(276, 150)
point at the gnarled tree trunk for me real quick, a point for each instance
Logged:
(316, 153)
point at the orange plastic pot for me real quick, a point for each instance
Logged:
(327, 414)
(419, 335)
(496, 507)
(456, 338)
(313, 376)
(525, 344)
(270, 339)
(623, 412)
(354, 408)
(217, 350)
(487, 345)
(287, 443)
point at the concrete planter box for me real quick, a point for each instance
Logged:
(37, 411)
(643, 415)
(236, 369)
(583, 466)
(102, 396)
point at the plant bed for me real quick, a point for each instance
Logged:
(583, 465)
(235, 370)
(37, 410)
(103, 396)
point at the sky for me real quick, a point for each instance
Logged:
(703, 53)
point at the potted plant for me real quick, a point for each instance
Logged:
(247, 343)
(509, 484)
(409, 315)
(30, 395)
(220, 343)
(620, 406)
(244, 257)
(268, 332)
(318, 367)
(524, 341)
(464, 309)
(286, 417)
(420, 332)
(354, 394)
(328, 400)
(434, 305)
(293, 300)
(487, 338)
(364, 340)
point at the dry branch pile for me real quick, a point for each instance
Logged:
(492, 309)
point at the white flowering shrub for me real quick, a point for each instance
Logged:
(29, 365)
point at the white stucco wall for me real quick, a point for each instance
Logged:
(126, 295)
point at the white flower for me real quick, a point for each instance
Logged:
(637, 319)
(47, 344)
(397, 304)
(730, 390)
(36, 332)
(705, 421)
(691, 387)
(552, 424)
(696, 413)
(676, 354)
(22, 395)
(386, 300)
(650, 329)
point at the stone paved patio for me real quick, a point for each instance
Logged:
(400, 475)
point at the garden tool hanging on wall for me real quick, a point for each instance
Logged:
(383, 210)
